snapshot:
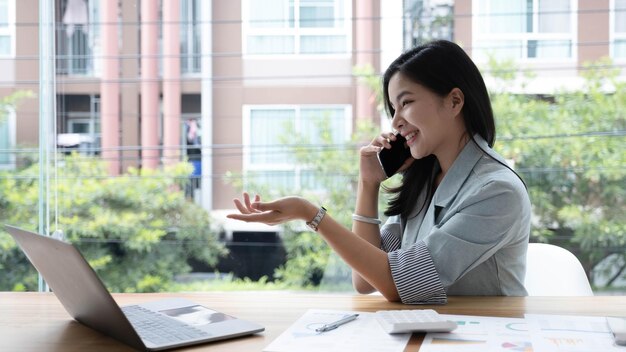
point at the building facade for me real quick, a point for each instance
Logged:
(148, 83)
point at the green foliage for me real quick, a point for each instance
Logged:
(137, 230)
(230, 283)
(12, 101)
(570, 150)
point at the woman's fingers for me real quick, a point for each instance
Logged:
(242, 208)
(246, 207)
(387, 138)
(246, 200)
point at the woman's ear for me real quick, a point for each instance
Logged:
(457, 99)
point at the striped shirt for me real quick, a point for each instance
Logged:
(470, 240)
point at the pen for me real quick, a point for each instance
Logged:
(338, 323)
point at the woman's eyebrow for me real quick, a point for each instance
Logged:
(402, 94)
(399, 96)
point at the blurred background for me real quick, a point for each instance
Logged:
(127, 127)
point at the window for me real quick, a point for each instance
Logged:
(190, 45)
(76, 35)
(524, 29)
(268, 152)
(618, 26)
(7, 28)
(426, 20)
(287, 27)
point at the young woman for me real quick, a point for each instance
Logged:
(460, 220)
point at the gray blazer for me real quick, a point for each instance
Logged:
(474, 233)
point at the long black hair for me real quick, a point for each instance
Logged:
(439, 66)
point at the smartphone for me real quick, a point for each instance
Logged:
(392, 159)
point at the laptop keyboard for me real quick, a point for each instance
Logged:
(159, 329)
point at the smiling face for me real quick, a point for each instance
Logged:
(428, 121)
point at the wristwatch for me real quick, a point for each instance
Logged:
(313, 224)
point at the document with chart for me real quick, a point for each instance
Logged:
(571, 333)
(480, 334)
(361, 334)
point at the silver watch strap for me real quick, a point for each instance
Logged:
(313, 224)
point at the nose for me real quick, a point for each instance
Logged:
(397, 121)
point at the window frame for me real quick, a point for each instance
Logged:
(297, 169)
(526, 37)
(190, 29)
(297, 32)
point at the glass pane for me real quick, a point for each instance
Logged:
(503, 16)
(554, 16)
(620, 16)
(619, 49)
(333, 122)
(190, 49)
(509, 49)
(80, 127)
(323, 44)
(4, 13)
(271, 44)
(268, 129)
(5, 45)
(270, 14)
(316, 17)
(549, 49)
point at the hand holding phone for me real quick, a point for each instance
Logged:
(392, 159)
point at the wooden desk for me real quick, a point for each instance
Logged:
(37, 321)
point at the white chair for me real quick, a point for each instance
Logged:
(554, 271)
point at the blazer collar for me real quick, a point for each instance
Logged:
(460, 171)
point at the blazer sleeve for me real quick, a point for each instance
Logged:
(413, 271)
(487, 220)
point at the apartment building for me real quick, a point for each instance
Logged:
(147, 83)
(552, 38)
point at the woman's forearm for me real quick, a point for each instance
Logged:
(367, 261)
(366, 205)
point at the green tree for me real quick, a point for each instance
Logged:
(569, 148)
(137, 230)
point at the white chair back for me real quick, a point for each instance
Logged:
(554, 271)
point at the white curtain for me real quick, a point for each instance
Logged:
(76, 14)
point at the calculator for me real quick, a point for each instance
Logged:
(413, 320)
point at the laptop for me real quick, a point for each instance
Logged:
(152, 326)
